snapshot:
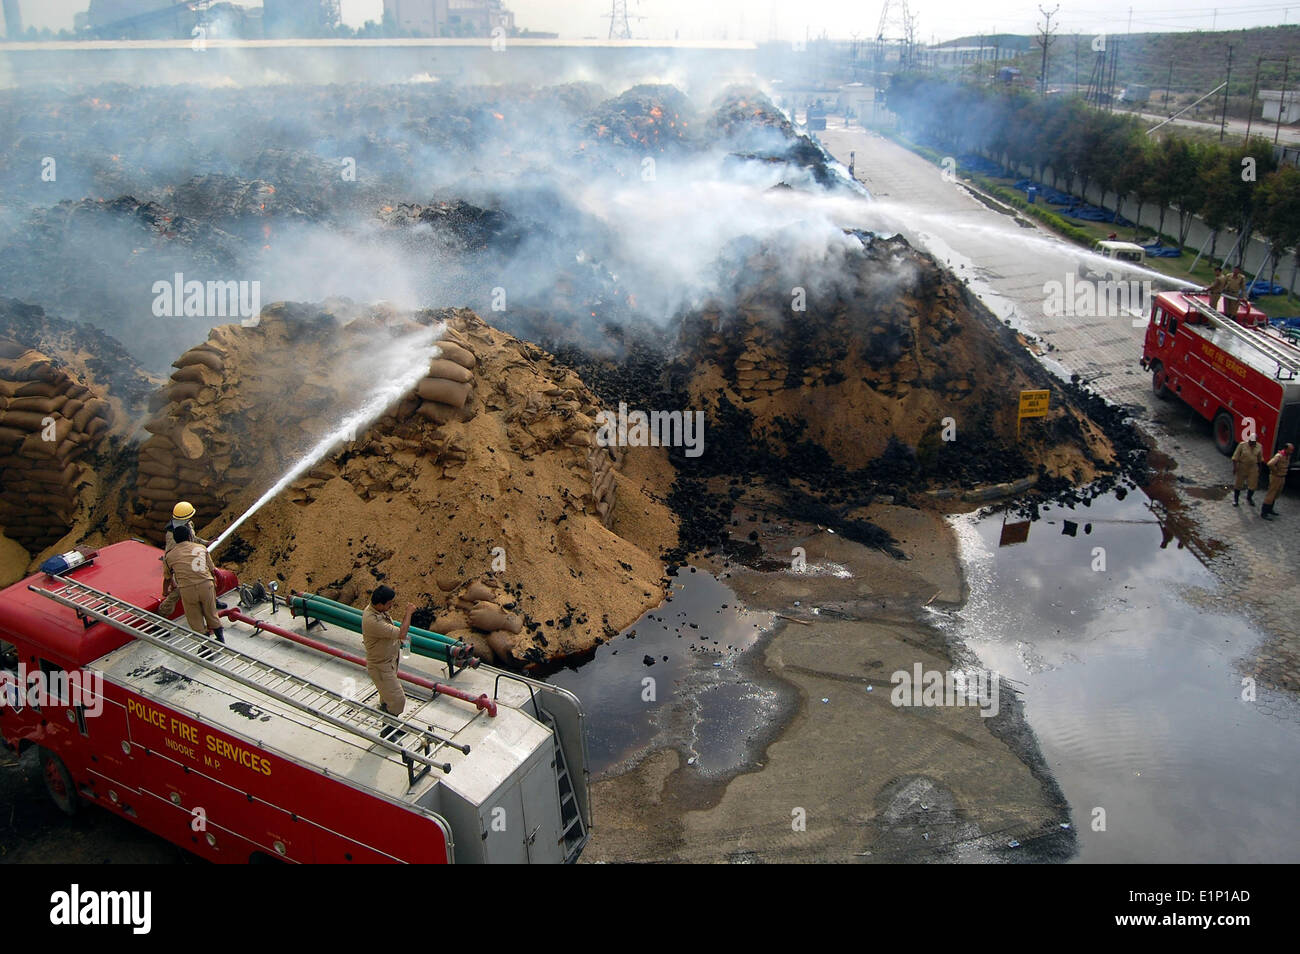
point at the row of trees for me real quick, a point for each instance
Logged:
(1064, 141)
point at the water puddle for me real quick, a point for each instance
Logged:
(676, 674)
(1125, 647)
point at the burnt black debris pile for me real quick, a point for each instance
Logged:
(457, 224)
(227, 200)
(647, 119)
(755, 129)
(880, 388)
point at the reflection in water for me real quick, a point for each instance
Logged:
(672, 676)
(1126, 647)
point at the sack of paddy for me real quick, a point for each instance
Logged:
(488, 617)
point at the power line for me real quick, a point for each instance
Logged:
(1045, 38)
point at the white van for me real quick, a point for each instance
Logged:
(1124, 254)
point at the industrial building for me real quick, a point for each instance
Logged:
(448, 18)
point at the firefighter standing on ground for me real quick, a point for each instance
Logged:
(192, 572)
(383, 640)
(1245, 469)
(1277, 468)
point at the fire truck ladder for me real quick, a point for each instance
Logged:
(1287, 359)
(376, 726)
(573, 833)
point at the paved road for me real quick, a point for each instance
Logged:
(1011, 263)
(1236, 129)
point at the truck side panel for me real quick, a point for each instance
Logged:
(221, 796)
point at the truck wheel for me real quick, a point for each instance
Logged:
(1158, 382)
(1224, 437)
(58, 782)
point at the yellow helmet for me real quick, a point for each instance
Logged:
(183, 510)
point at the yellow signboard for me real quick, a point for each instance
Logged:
(1034, 403)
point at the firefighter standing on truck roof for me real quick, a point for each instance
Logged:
(193, 573)
(1245, 470)
(1234, 287)
(383, 641)
(1215, 288)
(182, 516)
(1277, 468)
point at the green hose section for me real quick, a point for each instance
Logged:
(329, 611)
(301, 603)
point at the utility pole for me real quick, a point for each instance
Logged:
(1076, 63)
(1114, 67)
(1114, 73)
(1169, 82)
(1281, 103)
(1045, 38)
(1250, 113)
(1223, 120)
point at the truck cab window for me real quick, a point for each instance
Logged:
(56, 681)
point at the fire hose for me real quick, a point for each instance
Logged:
(481, 701)
(423, 642)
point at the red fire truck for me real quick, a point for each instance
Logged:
(1237, 374)
(272, 745)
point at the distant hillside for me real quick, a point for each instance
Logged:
(1191, 64)
(1005, 41)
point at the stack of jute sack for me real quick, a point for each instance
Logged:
(478, 613)
(446, 393)
(176, 462)
(49, 420)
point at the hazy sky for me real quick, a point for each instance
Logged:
(790, 19)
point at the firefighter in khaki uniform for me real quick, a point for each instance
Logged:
(383, 640)
(1277, 468)
(182, 516)
(1234, 291)
(1245, 469)
(193, 573)
(1215, 288)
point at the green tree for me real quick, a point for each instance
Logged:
(1279, 214)
(1171, 164)
(1135, 178)
(1217, 205)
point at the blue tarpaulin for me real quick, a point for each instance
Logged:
(1257, 288)
(1161, 251)
(980, 166)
